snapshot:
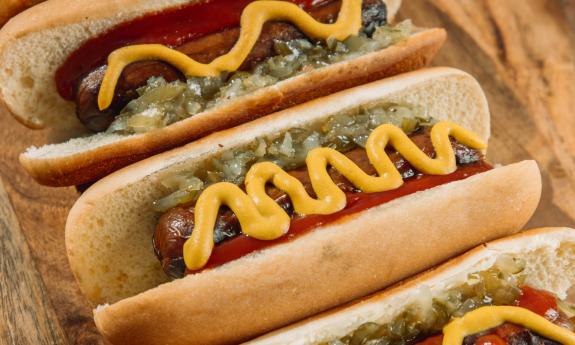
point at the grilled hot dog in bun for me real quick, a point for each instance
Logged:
(517, 290)
(346, 194)
(124, 80)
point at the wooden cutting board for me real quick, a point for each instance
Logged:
(522, 53)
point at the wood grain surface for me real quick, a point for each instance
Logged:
(522, 53)
(25, 304)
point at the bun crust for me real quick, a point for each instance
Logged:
(10, 8)
(108, 233)
(549, 254)
(87, 159)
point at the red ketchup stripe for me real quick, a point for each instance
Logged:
(538, 301)
(356, 202)
(433, 340)
(490, 339)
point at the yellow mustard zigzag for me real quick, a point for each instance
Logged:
(485, 318)
(253, 18)
(262, 218)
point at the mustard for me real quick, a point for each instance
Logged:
(262, 218)
(254, 16)
(484, 318)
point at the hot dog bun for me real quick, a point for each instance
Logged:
(109, 230)
(9, 8)
(549, 254)
(33, 46)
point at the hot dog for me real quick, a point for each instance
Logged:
(160, 76)
(204, 50)
(176, 225)
(320, 199)
(512, 291)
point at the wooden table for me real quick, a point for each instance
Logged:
(522, 52)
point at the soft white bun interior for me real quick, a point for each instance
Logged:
(549, 254)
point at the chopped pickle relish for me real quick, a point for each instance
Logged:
(160, 103)
(343, 131)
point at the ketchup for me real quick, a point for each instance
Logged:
(356, 202)
(172, 27)
(507, 331)
(434, 340)
(490, 339)
(540, 302)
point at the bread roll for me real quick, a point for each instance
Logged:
(109, 231)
